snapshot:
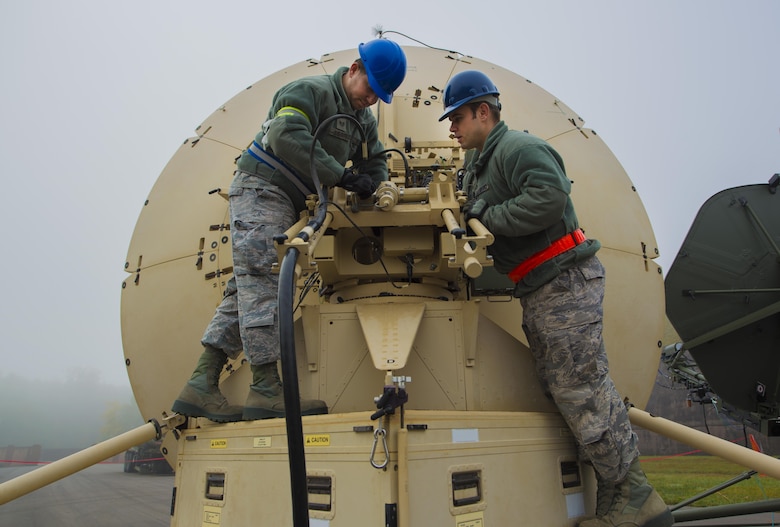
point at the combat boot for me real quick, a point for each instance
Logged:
(201, 396)
(266, 397)
(634, 504)
(605, 493)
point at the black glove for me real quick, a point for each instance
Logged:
(475, 209)
(360, 184)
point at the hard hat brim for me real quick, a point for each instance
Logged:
(382, 94)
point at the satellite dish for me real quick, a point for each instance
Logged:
(723, 298)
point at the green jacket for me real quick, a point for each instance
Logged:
(523, 181)
(296, 111)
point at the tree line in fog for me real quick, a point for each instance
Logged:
(74, 412)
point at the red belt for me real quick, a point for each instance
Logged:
(557, 247)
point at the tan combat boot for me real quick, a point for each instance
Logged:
(605, 493)
(634, 504)
(201, 396)
(266, 397)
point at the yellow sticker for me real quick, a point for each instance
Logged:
(262, 442)
(211, 516)
(316, 439)
(474, 519)
(219, 443)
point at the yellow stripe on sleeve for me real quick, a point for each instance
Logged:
(287, 111)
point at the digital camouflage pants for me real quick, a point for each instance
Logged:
(246, 319)
(563, 323)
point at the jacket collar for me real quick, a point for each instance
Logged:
(490, 144)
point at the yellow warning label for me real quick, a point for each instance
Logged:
(316, 440)
(262, 442)
(211, 516)
(219, 443)
(474, 519)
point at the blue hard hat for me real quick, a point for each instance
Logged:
(464, 87)
(385, 64)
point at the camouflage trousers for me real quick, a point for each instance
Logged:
(246, 319)
(563, 323)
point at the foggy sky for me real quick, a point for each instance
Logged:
(99, 95)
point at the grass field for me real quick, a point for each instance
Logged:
(681, 477)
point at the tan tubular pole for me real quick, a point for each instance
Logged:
(403, 478)
(712, 445)
(42, 476)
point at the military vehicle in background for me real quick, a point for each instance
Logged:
(391, 312)
(147, 458)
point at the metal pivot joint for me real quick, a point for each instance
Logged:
(392, 398)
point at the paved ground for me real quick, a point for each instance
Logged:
(102, 495)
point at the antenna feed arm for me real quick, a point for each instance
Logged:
(467, 252)
(452, 224)
(480, 230)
